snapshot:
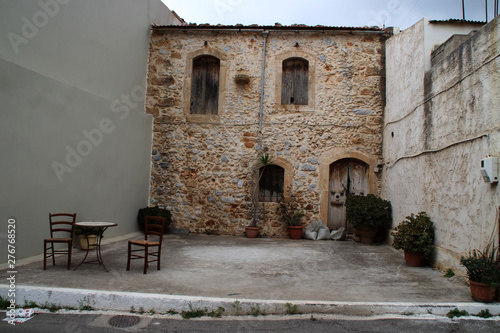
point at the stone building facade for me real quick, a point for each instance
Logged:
(318, 110)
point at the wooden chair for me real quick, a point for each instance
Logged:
(154, 228)
(61, 231)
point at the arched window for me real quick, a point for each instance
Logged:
(295, 81)
(271, 184)
(205, 85)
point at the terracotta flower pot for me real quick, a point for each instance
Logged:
(252, 232)
(481, 292)
(414, 259)
(295, 232)
(366, 236)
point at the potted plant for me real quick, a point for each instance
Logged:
(367, 214)
(291, 214)
(263, 161)
(87, 237)
(415, 236)
(483, 271)
(153, 211)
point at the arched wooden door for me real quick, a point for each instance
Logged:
(347, 176)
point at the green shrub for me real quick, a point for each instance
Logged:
(153, 211)
(87, 231)
(482, 266)
(456, 313)
(415, 234)
(369, 211)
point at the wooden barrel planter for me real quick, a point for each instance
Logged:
(481, 292)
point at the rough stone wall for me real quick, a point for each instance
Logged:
(454, 126)
(202, 169)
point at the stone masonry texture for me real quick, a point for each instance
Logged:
(202, 168)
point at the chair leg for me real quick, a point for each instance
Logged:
(128, 259)
(70, 246)
(159, 258)
(44, 255)
(53, 255)
(146, 252)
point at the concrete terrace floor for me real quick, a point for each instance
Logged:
(266, 269)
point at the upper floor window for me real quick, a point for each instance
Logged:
(205, 85)
(295, 81)
(271, 184)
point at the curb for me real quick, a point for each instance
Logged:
(160, 303)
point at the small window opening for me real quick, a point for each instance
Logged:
(271, 183)
(205, 85)
(295, 81)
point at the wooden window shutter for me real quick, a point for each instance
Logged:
(295, 81)
(271, 184)
(205, 85)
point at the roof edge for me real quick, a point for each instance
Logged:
(457, 21)
(295, 27)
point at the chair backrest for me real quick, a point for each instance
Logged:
(155, 226)
(62, 223)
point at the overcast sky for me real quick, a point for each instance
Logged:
(351, 13)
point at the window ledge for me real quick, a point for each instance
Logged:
(203, 118)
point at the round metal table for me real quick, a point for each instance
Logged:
(102, 226)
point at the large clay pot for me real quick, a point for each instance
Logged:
(414, 259)
(91, 242)
(295, 232)
(252, 232)
(481, 292)
(366, 236)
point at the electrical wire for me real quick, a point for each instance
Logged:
(412, 8)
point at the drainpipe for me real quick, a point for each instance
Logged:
(265, 33)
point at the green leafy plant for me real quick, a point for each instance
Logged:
(217, 313)
(85, 304)
(237, 306)
(291, 308)
(415, 234)
(153, 211)
(4, 303)
(483, 266)
(290, 211)
(172, 312)
(449, 273)
(30, 304)
(256, 311)
(484, 314)
(52, 307)
(87, 231)
(456, 313)
(370, 212)
(193, 312)
(263, 160)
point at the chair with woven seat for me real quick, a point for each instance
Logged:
(61, 232)
(154, 229)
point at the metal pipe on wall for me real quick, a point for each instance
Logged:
(265, 33)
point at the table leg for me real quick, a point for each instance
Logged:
(98, 250)
(86, 254)
(99, 255)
